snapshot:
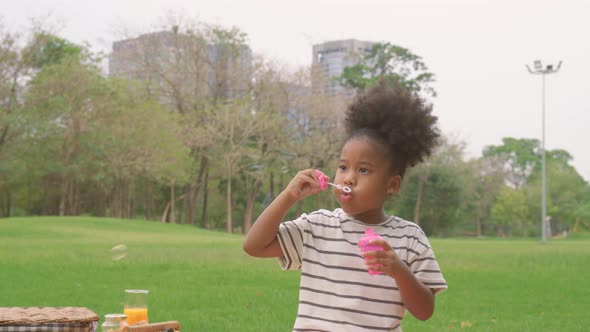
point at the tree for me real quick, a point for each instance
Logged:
(270, 103)
(95, 133)
(49, 49)
(138, 140)
(582, 217)
(510, 211)
(315, 138)
(232, 126)
(436, 192)
(61, 95)
(487, 180)
(192, 69)
(17, 64)
(392, 62)
(16, 69)
(566, 192)
(520, 157)
(11, 68)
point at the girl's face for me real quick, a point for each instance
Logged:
(366, 170)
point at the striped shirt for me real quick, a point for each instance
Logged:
(336, 293)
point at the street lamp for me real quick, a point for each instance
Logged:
(539, 70)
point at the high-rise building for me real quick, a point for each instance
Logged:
(329, 60)
(162, 57)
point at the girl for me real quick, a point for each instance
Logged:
(388, 130)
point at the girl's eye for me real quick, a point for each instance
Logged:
(342, 167)
(363, 170)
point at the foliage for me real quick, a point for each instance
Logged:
(392, 62)
(486, 179)
(566, 192)
(520, 156)
(582, 218)
(434, 194)
(510, 211)
(209, 134)
(49, 50)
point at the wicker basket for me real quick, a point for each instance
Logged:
(47, 319)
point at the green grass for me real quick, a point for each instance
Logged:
(205, 281)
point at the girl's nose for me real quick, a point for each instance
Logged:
(349, 179)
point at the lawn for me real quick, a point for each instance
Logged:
(204, 280)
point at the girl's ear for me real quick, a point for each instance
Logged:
(394, 185)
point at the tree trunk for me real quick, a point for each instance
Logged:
(271, 185)
(122, 198)
(62, 196)
(77, 206)
(165, 213)
(435, 225)
(168, 213)
(228, 200)
(148, 200)
(281, 181)
(478, 220)
(70, 198)
(30, 190)
(181, 199)
(418, 201)
(193, 199)
(188, 205)
(103, 202)
(204, 223)
(576, 223)
(119, 194)
(250, 203)
(6, 203)
(130, 197)
(172, 217)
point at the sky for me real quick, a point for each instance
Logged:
(477, 49)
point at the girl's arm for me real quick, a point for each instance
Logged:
(417, 298)
(261, 240)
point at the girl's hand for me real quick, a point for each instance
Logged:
(304, 184)
(386, 261)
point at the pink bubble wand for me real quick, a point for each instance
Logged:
(324, 184)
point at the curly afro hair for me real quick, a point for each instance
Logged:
(397, 120)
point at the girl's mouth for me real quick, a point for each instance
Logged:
(345, 197)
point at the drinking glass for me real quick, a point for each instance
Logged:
(136, 307)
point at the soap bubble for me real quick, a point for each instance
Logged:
(119, 252)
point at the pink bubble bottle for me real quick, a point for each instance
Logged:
(366, 246)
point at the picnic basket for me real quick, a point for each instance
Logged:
(47, 319)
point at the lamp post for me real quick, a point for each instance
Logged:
(540, 70)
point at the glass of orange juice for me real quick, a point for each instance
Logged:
(136, 306)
